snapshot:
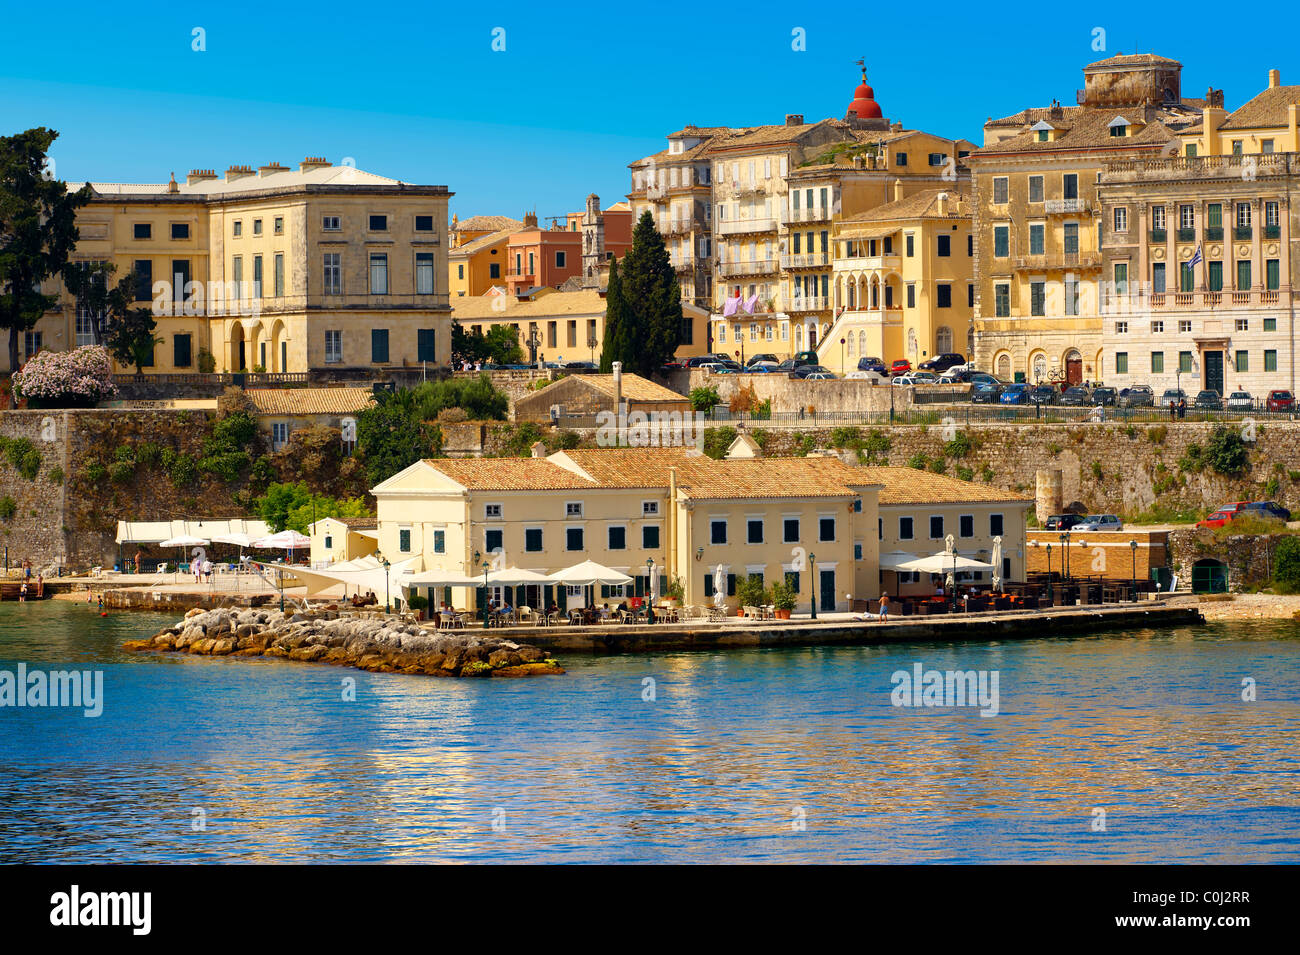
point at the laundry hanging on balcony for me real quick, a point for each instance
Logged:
(730, 305)
(751, 303)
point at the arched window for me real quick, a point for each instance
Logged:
(911, 342)
(1004, 367)
(1040, 366)
(850, 338)
(862, 343)
(798, 338)
(970, 343)
(943, 340)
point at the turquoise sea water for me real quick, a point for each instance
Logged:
(784, 755)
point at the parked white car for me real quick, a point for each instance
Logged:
(1099, 522)
(865, 376)
(911, 378)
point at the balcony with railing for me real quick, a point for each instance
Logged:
(806, 260)
(1272, 232)
(1058, 207)
(688, 263)
(1159, 235)
(743, 226)
(1243, 233)
(744, 189)
(809, 303)
(891, 261)
(797, 216)
(1186, 235)
(759, 267)
(1059, 261)
(1205, 298)
(1213, 233)
(681, 226)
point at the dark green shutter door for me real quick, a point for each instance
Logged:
(379, 345)
(425, 345)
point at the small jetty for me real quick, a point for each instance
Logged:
(380, 644)
(13, 590)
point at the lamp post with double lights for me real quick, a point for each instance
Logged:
(1065, 550)
(649, 593)
(812, 582)
(486, 565)
(383, 561)
(1133, 549)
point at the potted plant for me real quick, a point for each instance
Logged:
(783, 600)
(751, 593)
(674, 592)
(418, 603)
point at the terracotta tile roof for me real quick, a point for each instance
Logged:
(1132, 59)
(1267, 110)
(359, 523)
(487, 224)
(508, 474)
(479, 307)
(630, 467)
(911, 486)
(635, 388)
(309, 401)
(481, 243)
(1088, 128)
(773, 135)
(919, 205)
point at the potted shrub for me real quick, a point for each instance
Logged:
(674, 592)
(783, 600)
(751, 593)
(80, 378)
(418, 603)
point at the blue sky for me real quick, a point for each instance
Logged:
(418, 93)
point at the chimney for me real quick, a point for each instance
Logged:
(1274, 79)
(618, 387)
(172, 187)
(238, 172)
(314, 162)
(199, 175)
(538, 449)
(943, 203)
(898, 189)
(270, 169)
(794, 119)
(530, 220)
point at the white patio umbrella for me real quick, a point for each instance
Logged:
(238, 538)
(516, 576)
(719, 586)
(287, 539)
(944, 563)
(183, 541)
(997, 564)
(588, 574)
(653, 590)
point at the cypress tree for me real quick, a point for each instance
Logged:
(650, 304)
(616, 317)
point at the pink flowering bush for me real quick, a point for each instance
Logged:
(72, 379)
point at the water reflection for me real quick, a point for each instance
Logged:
(737, 749)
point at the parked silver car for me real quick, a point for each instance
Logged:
(1099, 522)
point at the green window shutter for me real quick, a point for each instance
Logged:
(379, 345)
(426, 341)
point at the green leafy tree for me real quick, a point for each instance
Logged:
(643, 305)
(500, 345)
(1286, 563)
(392, 435)
(704, 398)
(479, 398)
(1225, 451)
(38, 230)
(128, 331)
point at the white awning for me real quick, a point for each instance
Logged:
(588, 574)
(894, 560)
(155, 532)
(943, 563)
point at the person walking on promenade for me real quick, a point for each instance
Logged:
(1173, 410)
(884, 608)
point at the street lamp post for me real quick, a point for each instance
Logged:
(534, 342)
(649, 594)
(591, 344)
(1065, 549)
(812, 582)
(1133, 549)
(1049, 564)
(841, 356)
(387, 598)
(486, 565)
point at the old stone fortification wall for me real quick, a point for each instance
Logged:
(35, 530)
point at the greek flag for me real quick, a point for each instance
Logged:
(1196, 259)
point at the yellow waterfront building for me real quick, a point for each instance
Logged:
(315, 269)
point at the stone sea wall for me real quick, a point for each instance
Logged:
(378, 644)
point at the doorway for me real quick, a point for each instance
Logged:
(826, 597)
(1214, 371)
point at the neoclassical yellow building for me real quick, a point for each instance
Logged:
(902, 282)
(275, 269)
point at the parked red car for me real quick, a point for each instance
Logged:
(900, 367)
(1280, 400)
(1217, 519)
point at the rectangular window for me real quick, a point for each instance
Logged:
(1121, 328)
(1002, 300)
(1121, 278)
(995, 525)
(826, 528)
(237, 228)
(1270, 359)
(999, 190)
(1157, 328)
(573, 538)
(279, 433)
(439, 542)
(1157, 362)
(404, 540)
(911, 295)
(279, 274)
(1070, 237)
(378, 223)
(424, 223)
(257, 227)
(493, 541)
(1070, 185)
(277, 225)
(791, 530)
(333, 346)
(1186, 277)
(327, 224)
(143, 280)
(559, 260)
(905, 528)
(1001, 241)
(1121, 363)
(378, 273)
(1037, 244)
(754, 530)
(1037, 298)
(31, 343)
(900, 159)
(426, 344)
(943, 295)
(936, 526)
(424, 273)
(718, 532)
(944, 246)
(1243, 275)
(1241, 325)
(1270, 324)
(966, 525)
(1158, 277)
(143, 230)
(1184, 326)
(182, 350)
(180, 230)
(1158, 218)
(1035, 188)
(650, 537)
(617, 537)
(573, 509)
(379, 345)
(1272, 274)
(1213, 216)
(1243, 361)
(909, 237)
(257, 276)
(333, 274)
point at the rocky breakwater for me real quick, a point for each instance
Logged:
(375, 643)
